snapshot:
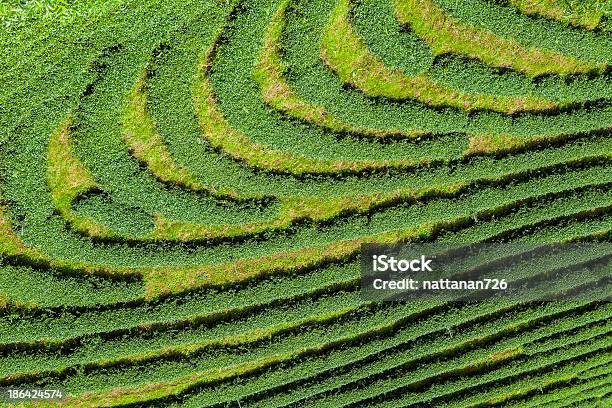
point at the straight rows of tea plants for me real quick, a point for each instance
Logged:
(167, 353)
(183, 335)
(275, 348)
(483, 203)
(167, 326)
(97, 345)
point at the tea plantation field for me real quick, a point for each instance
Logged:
(185, 187)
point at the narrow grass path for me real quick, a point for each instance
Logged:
(587, 14)
(347, 55)
(445, 34)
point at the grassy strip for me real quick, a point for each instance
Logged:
(500, 143)
(563, 368)
(147, 146)
(174, 279)
(11, 247)
(292, 211)
(346, 54)
(239, 146)
(269, 74)
(68, 179)
(446, 35)
(305, 258)
(150, 392)
(585, 14)
(191, 381)
(568, 394)
(421, 351)
(7, 304)
(492, 143)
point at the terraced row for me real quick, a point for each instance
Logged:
(275, 352)
(97, 345)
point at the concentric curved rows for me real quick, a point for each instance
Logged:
(185, 187)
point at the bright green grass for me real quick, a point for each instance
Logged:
(376, 24)
(315, 84)
(408, 353)
(595, 47)
(445, 34)
(587, 14)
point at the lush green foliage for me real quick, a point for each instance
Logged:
(185, 187)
